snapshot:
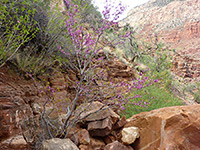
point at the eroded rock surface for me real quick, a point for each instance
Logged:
(168, 128)
(16, 98)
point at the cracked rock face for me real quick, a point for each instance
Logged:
(16, 97)
(175, 23)
(168, 128)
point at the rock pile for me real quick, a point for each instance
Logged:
(21, 99)
(102, 129)
(165, 128)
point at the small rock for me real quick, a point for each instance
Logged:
(120, 123)
(59, 144)
(83, 147)
(36, 108)
(81, 137)
(93, 107)
(117, 146)
(109, 139)
(129, 135)
(96, 144)
(100, 128)
(84, 137)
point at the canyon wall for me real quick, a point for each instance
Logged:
(177, 24)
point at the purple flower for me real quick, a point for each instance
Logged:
(122, 108)
(155, 81)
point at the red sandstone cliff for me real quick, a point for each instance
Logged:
(176, 23)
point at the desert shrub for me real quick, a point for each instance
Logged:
(155, 55)
(22, 26)
(197, 93)
(191, 91)
(16, 29)
(197, 96)
(153, 97)
(30, 34)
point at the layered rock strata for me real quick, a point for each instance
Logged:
(175, 23)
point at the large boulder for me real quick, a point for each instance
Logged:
(59, 144)
(168, 128)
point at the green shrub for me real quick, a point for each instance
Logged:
(197, 96)
(192, 91)
(154, 97)
(29, 34)
(22, 23)
(197, 93)
(16, 29)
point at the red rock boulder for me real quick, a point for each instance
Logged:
(168, 128)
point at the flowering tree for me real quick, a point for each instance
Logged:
(84, 61)
(82, 58)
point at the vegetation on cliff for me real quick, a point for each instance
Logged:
(39, 40)
(33, 39)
